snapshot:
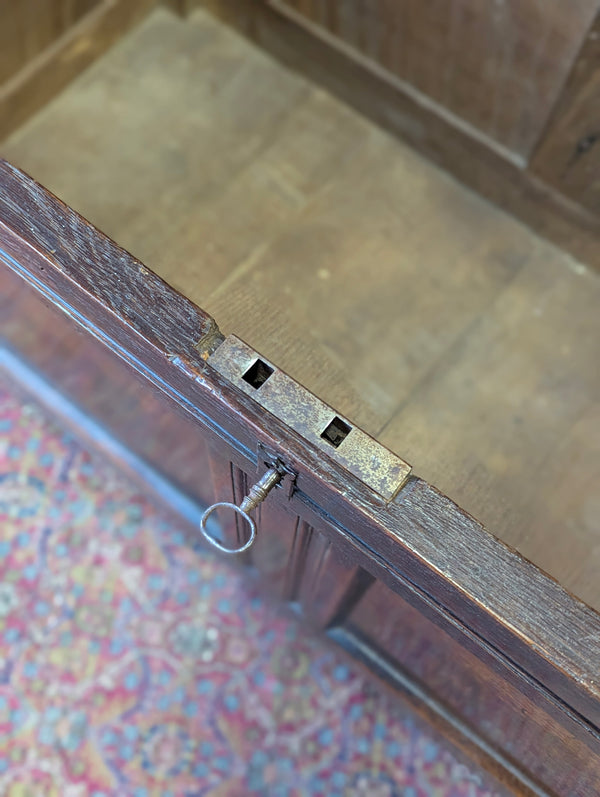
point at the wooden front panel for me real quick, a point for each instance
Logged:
(110, 392)
(329, 540)
(478, 695)
(498, 65)
(299, 557)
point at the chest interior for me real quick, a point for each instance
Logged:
(440, 324)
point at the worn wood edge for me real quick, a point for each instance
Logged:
(29, 384)
(421, 520)
(49, 72)
(405, 112)
(87, 261)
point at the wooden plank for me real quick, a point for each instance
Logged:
(196, 73)
(568, 153)
(50, 71)
(367, 272)
(232, 125)
(410, 115)
(27, 27)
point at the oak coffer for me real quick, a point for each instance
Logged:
(373, 311)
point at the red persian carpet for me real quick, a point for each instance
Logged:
(133, 666)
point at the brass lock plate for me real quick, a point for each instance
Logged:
(374, 464)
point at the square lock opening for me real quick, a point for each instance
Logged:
(257, 374)
(336, 432)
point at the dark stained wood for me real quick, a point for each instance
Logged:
(408, 114)
(66, 56)
(160, 316)
(279, 554)
(497, 66)
(568, 154)
(27, 27)
(515, 620)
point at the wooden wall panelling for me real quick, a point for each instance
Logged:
(41, 78)
(27, 27)
(332, 581)
(568, 154)
(399, 633)
(279, 553)
(498, 66)
(496, 173)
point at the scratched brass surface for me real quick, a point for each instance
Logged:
(378, 467)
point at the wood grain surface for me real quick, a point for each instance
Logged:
(65, 56)
(499, 66)
(460, 148)
(392, 633)
(426, 315)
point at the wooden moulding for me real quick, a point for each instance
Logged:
(50, 71)
(150, 346)
(475, 160)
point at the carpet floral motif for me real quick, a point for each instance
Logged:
(133, 666)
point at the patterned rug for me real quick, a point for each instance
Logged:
(132, 666)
